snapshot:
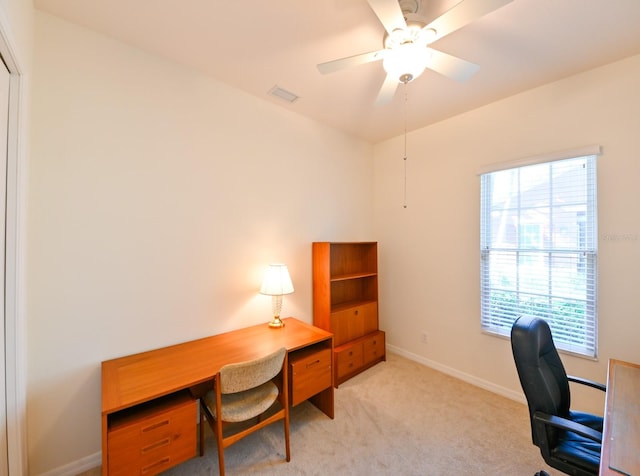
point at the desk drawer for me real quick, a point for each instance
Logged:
(153, 439)
(309, 374)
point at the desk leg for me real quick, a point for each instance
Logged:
(324, 401)
(105, 456)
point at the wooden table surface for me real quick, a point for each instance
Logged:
(138, 378)
(621, 437)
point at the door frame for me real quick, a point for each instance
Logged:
(15, 328)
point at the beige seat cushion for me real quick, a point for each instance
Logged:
(244, 405)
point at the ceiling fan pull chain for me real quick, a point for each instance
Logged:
(405, 145)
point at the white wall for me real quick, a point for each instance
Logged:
(157, 198)
(429, 252)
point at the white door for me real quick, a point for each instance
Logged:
(4, 114)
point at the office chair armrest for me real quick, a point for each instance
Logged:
(588, 383)
(564, 424)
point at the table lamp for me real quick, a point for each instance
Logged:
(276, 283)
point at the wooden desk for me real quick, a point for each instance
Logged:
(620, 452)
(133, 382)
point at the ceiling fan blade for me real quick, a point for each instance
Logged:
(451, 66)
(337, 65)
(389, 14)
(463, 13)
(387, 90)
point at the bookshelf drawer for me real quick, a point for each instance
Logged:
(374, 347)
(349, 359)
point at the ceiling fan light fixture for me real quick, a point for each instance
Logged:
(394, 39)
(406, 62)
(406, 53)
(427, 35)
(413, 33)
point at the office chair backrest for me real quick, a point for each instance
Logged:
(542, 375)
(245, 375)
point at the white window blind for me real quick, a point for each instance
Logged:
(539, 249)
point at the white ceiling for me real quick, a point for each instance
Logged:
(255, 45)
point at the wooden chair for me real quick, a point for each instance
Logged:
(244, 391)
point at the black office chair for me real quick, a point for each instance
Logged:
(569, 441)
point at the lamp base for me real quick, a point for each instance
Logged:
(276, 323)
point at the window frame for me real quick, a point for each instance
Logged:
(585, 255)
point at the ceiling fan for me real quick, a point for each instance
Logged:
(406, 41)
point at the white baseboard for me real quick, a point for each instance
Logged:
(505, 392)
(76, 467)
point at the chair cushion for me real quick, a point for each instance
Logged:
(244, 405)
(592, 421)
(578, 450)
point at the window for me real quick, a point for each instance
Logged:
(538, 252)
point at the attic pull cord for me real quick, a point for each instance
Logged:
(404, 204)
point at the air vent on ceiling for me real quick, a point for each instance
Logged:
(278, 92)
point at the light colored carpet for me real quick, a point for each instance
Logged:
(397, 418)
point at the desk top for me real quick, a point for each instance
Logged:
(134, 379)
(621, 436)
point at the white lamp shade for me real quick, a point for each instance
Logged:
(277, 281)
